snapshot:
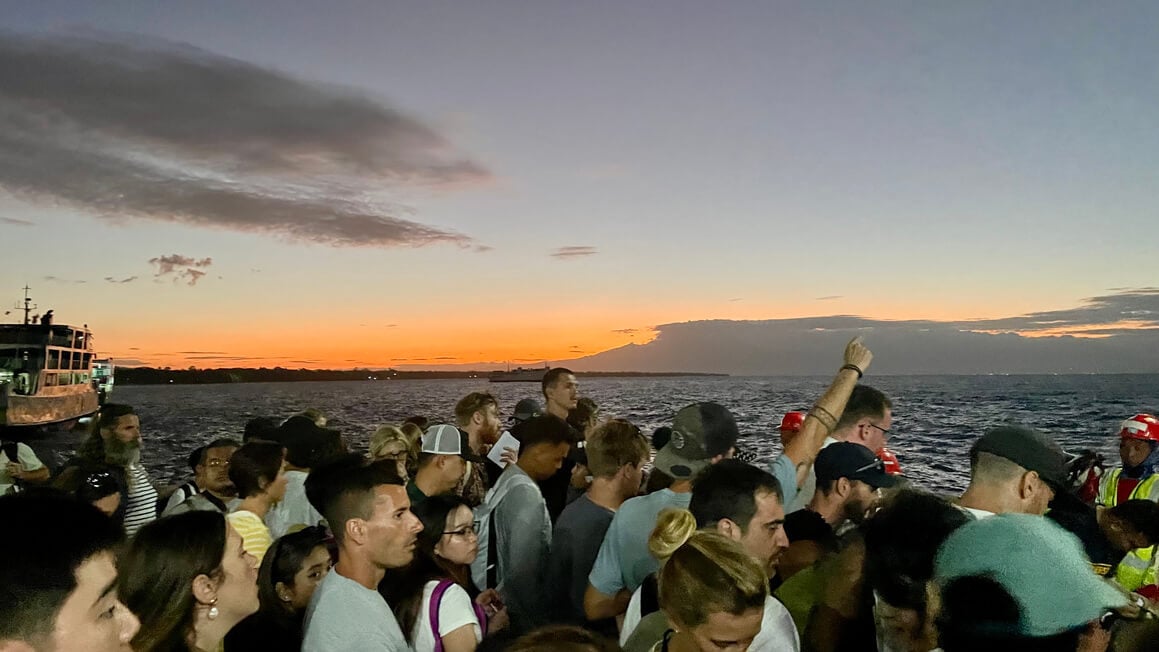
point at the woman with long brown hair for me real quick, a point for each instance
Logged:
(189, 581)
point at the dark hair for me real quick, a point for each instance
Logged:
(728, 489)
(109, 414)
(807, 525)
(563, 638)
(552, 376)
(156, 578)
(343, 489)
(196, 458)
(419, 420)
(1141, 515)
(51, 535)
(222, 442)
(99, 481)
(259, 428)
(403, 588)
(255, 465)
(92, 449)
(282, 562)
(470, 404)
(864, 401)
(583, 414)
(901, 542)
(975, 608)
(543, 429)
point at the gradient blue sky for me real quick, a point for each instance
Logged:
(735, 160)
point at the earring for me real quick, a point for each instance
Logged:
(283, 597)
(213, 612)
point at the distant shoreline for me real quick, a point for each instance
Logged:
(155, 376)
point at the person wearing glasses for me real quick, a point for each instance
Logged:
(438, 583)
(210, 464)
(867, 420)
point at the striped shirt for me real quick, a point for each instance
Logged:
(142, 505)
(254, 533)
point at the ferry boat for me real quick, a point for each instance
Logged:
(518, 375)
(46, 371)
(103, 372)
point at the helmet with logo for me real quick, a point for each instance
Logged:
(1140, 426)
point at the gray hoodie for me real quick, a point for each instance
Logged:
(523, 538)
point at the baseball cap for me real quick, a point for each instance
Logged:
(526, 409)
(700, 432)
(845, 459)
(1028, 448)
(792, 421)
(445, 439)
(1042, 567)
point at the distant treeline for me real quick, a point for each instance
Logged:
(167, 376)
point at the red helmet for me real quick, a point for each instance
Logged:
(792, 421)
(892, 465)
(1140, 426)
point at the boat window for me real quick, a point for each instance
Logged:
(49, 379)
(53, 359)
(65, 360)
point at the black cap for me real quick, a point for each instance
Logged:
(854, 461)
(1028, 448)
(526, 409)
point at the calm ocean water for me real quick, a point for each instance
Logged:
(936, 418)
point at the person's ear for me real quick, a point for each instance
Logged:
(729, 529)
(843, 487)
(204, 589)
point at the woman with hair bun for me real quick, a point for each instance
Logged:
(712, 591)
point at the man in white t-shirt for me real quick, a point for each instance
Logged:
(369, 513)
(19, 463)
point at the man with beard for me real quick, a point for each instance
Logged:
(116, 441)
(477, 414)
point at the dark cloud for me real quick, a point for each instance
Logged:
(831, 297)
(201, 353)
(181, 267)
(627, 331)
(564, 253)
(129, 362)
(12, 221)
(1088, 339)
(130, 127)
(127, 279)
(57, 279)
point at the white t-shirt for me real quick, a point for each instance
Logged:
(978, 514)
(25, 457)
(778, 633)
(455, 610)
(344, 616)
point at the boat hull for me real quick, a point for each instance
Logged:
(47, 409)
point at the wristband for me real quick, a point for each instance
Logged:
(853, 367)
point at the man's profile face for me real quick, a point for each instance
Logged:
(393, 528)
(564, 391)
(92, 618)
(765, 537)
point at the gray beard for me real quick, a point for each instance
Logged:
(121, 454)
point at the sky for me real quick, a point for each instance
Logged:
(374, 184)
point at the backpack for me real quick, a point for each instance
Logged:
(485, 568)
(433, 613)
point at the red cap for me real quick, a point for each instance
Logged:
(1140, 426)
(792, 421)
(892, 465)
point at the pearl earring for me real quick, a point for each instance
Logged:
(213, 612)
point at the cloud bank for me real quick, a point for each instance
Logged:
(147, 129)
(1117, 333)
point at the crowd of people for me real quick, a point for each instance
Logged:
(559, 528)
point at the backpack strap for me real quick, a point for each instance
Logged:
(433, 613)
(649, 596)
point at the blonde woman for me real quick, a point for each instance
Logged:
(710, 588)
(391, 443)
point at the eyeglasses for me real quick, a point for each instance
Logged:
(886, 432)
(217, 463)
(465, 531)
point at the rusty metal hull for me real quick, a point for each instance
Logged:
(43, 410)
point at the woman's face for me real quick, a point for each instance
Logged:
(459, 543)
(725, 631)
(314, 567)
(237, 594)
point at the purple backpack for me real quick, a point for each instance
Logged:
(437, 600)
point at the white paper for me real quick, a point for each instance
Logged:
(506, 440)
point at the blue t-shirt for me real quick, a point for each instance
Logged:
(624, 560)
(783, 470)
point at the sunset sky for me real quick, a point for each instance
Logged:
(410, 184)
